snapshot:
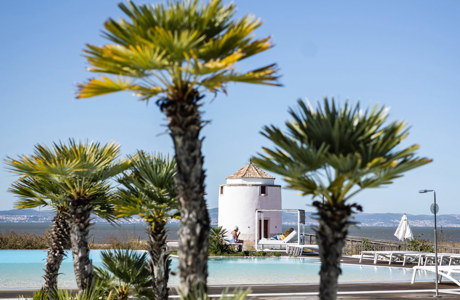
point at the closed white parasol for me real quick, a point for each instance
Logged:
(403, 231)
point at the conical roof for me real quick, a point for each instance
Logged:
(250, 171)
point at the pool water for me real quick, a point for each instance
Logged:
(23, 269)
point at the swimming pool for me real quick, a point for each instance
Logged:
(23, 269)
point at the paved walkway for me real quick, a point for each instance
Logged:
(420, 290)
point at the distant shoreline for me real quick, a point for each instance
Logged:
(363, 219)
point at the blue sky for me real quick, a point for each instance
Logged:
(401, 54)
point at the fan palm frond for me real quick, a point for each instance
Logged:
(161, 48)
(175, 53)
(125, 271)
(336, 152)
(149, 189)
(73, 176)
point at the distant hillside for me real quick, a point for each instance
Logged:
(25, 216)
(25, 212)
(43, 216)
(366, 219)
(391, 219)
(363, 219)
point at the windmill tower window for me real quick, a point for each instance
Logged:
(221, 190)
(263, 190)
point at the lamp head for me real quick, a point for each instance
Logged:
(425, 191)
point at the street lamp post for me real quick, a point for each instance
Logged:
(435, 210)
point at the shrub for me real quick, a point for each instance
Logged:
(419, 244)
(97, 292)
(366, 245)
(218, 245)
(237, 294)
(113, 242)
(13, 240)
(261, 253)
(125, 273)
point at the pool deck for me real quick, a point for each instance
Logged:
(420, 290)
(400, 290)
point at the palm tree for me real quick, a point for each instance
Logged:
(80, 174)
(149, 190)
(334, 153)
(218, 244)
(175, 53)
(125, 273)
(36, 192)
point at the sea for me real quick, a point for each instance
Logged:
(106, 233)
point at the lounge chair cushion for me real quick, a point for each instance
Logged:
(289, 237)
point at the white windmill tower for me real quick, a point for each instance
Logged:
(249, 189)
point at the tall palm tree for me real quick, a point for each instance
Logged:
(80, 174)
(36, 192)
(334, 153)
(175, 53)
(149, 190)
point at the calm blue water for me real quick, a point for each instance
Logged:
(23, 269)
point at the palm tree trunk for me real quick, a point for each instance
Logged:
(160, 261)
(80, 212)
(333, 229)
(58, 242)
(184, 123)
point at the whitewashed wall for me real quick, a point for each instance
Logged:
(240, 199)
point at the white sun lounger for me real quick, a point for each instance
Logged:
(443, 271)
(415, 257)
(297, 250)
(453, 258)
(172, 244)
(279, 244)
(366, 254)
(443, 258)
(390, 256)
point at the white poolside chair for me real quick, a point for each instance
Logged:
(443, 258)
(386, 256)
(297, 250)
(172, 244)
(278, 244)
(238, 246)
(414, 257)
(366, 255)
(399, 255)
(443, 271)
(454, 258)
